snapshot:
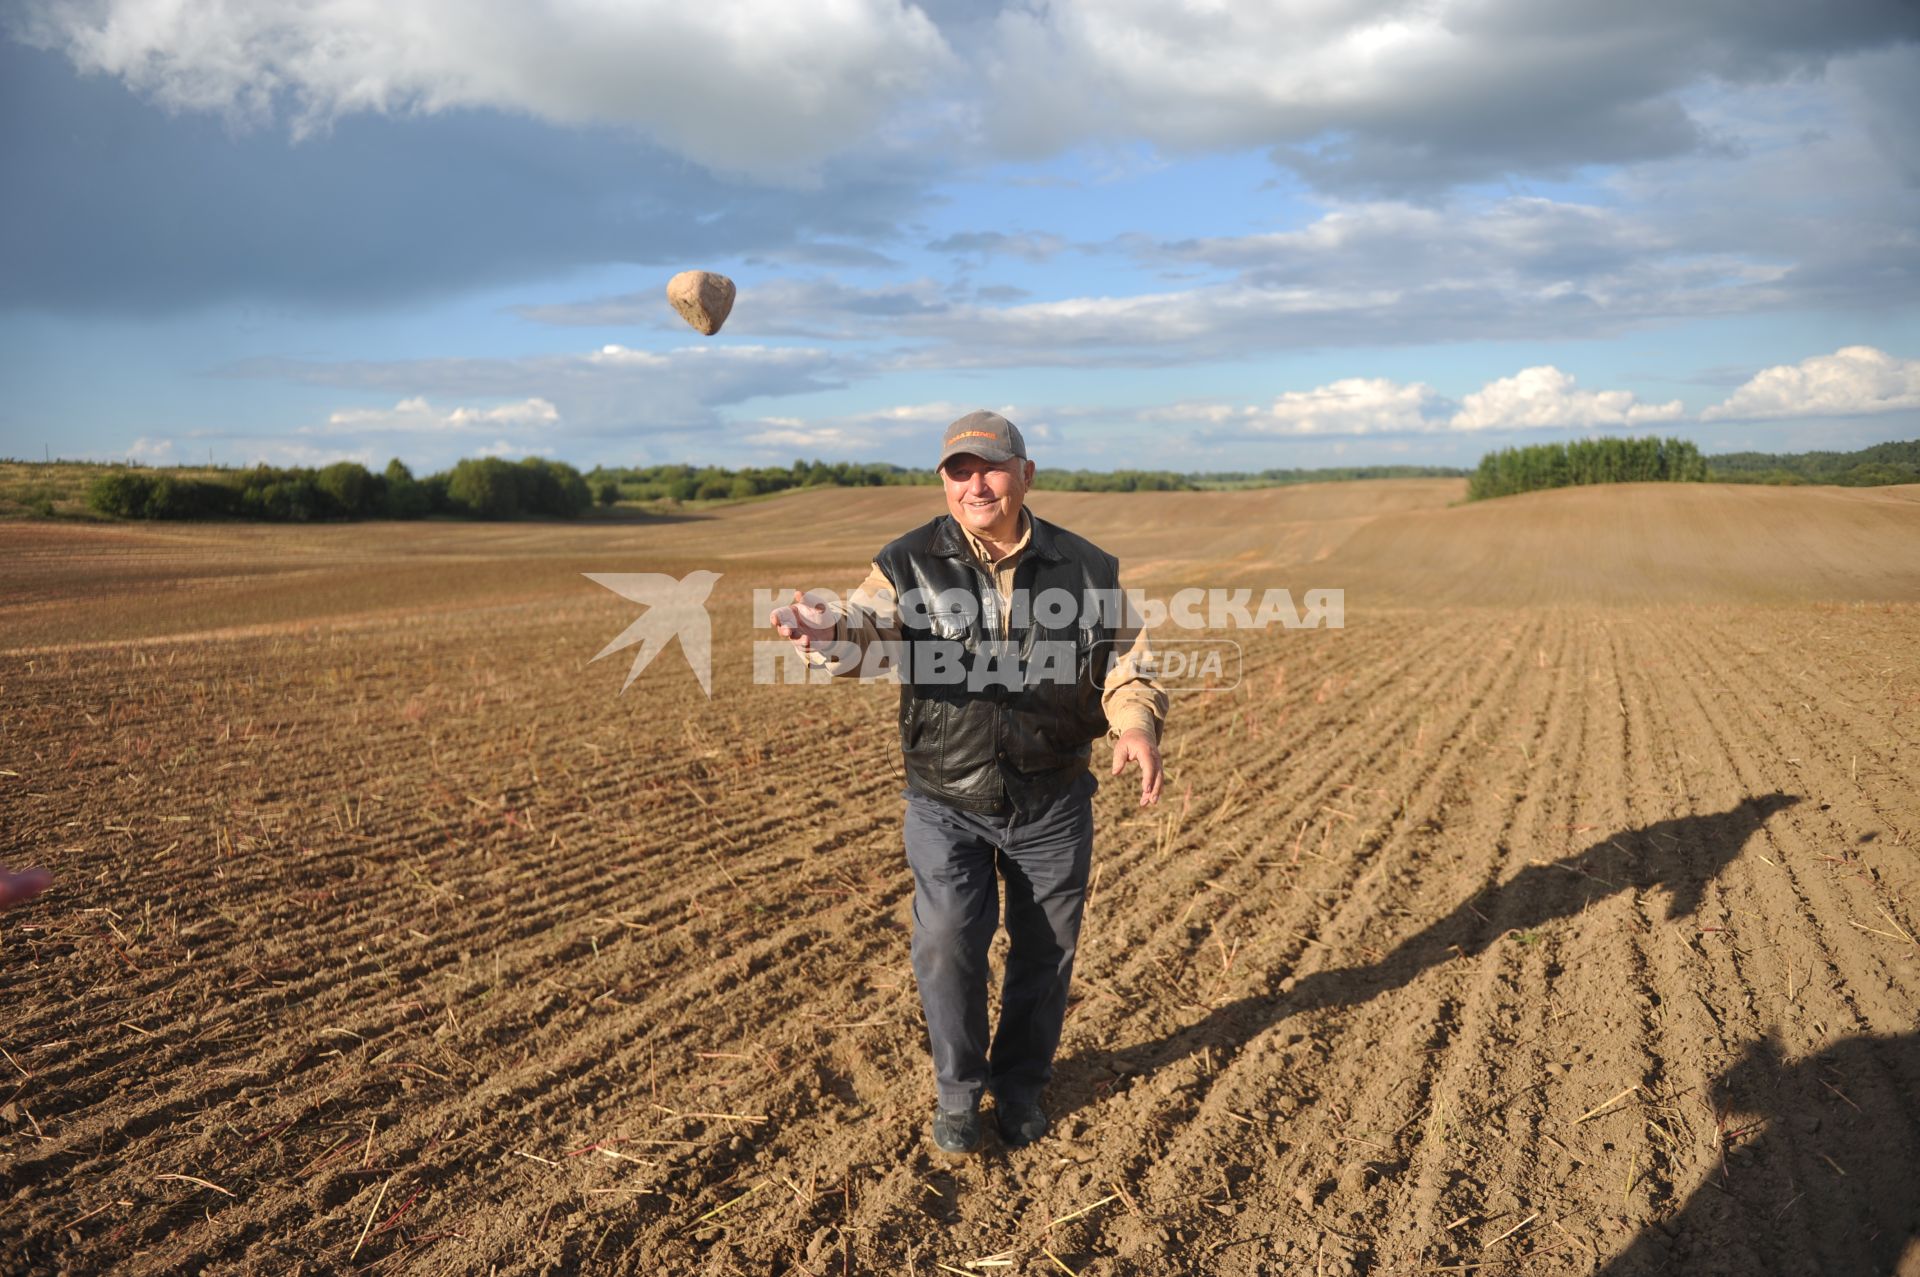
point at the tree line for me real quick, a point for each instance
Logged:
(717, 483)
(492, 488)
(1882, 463)
(478, 488)
(1586, 461)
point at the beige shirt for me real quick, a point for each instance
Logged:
(1131, 698)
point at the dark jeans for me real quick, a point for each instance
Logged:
(955, 856)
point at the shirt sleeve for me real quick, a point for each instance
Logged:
(1132, 697)
(870, 615)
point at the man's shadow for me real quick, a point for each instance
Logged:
(1681, 855)
(1822, 1180)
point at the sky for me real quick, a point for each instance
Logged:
(1159, 235)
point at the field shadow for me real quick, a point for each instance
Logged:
(1681, 855)
(1816, 1173)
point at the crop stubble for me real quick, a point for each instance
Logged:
(1533, 922)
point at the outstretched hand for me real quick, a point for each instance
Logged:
(25, 885)
(1137, 746)
(805, 622)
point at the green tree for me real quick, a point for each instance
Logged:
(351, 487)
(405, 496)
(485, 487)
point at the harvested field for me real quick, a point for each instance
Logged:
(1557, 915)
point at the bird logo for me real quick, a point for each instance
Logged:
(673, 608)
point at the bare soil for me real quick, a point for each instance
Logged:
(1557, 915)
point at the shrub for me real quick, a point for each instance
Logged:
(122, 493)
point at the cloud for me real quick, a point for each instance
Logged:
(902, 431)
(991, 293)
(1853, 381)
(1386, 97)
(501, 448)
(1532, 399)
(238, 449)
(609, 393)
(122, 209)
(1028, 245)
(813, 307)
(1544, 396)
(762, 87)
(1348, 407)
(1363, 274)
(150, 451)
(416, 415)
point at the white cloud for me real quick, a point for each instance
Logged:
(1853, 381)
(759, 86)
(416, 415)
(1532, 399)
(612, 391)
(248, 450)
(899, 431)
(1350, 406)
(501, 448)
(1544, 396)
(150, 451)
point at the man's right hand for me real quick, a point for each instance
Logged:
(805, 622)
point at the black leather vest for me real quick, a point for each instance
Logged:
(1017, 728)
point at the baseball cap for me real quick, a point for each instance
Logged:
(986, 435)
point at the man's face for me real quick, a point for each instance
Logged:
(985, 496)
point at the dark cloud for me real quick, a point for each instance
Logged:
(116, 207)
(1407, 101)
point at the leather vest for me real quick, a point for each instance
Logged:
(991, 719)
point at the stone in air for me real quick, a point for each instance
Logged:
(703, 299)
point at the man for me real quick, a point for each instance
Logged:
(1015, 651)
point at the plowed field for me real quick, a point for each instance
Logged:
(1557, 915)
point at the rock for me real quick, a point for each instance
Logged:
(703, 299)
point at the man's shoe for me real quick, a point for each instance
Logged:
(1020, 1124)
(957, 1132)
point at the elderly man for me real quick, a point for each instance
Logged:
(1015, 651)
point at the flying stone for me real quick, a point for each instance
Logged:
(703, 299)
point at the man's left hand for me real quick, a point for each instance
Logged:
(1138, 746)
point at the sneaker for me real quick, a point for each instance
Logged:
(1020, 1124)
(957, 1132)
